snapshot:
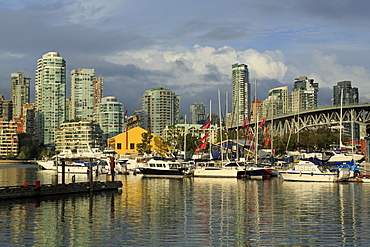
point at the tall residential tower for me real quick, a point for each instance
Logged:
(160, 108)
(240, 94)
(82, 94)
(350, 94)
(50, 97)
(19, 92)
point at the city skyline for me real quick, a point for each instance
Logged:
(189, 48)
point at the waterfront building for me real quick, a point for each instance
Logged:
(29, 118)
(126, 143)
(160, 108)
(304, 95)
(350, 94)
(50, 97)
(256, 112)
(276, 102)
(110, 116)
(79, 135)
(197, 113)
(98, 92)
(82, 94)
(240, 94)
(214, 118)
(6, 108)
(19, 92)
(9, 138)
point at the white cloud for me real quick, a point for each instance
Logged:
(189, 64)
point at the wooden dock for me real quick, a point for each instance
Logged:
(26, 190)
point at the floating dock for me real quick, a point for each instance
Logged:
(38, 190)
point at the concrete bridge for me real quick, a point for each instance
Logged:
(320, 117)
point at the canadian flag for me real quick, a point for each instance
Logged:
(204, 137)
(267, 142)
(262, 122)
(245, 122)
(201, 146)
(206, 125)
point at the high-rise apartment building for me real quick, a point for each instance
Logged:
(98, 92)
(345, 93)
(276, 103)
(6, 108)
(82, 94)
(304, 95)
(197, 113)
(19, 92)
(160, 108)
(50, 97)
(110, 115)
(78, 135)
(240, 94)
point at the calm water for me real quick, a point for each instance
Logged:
(188, 212)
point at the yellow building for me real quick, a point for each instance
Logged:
(126, 142)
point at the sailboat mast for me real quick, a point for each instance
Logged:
(185, 132)
(220, 116)
(340, 119)
(256, 120)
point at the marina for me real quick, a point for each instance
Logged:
(189, 211)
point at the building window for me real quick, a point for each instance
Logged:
(132, 145)
(119, 145)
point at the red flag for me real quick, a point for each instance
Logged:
(206, 125)
(266, 131)
(247, 129)
(267, 142)
(201, 146)
(273, 151)
(262, 123)
(204, 137)
(245, 122)
(250, 137)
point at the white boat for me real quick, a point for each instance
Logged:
(306, 170)
(345, 155)
(209, 169)
(75, 167)
(47, 164)
(166, 168)
(104, 166)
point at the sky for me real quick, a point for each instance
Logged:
(189, 46)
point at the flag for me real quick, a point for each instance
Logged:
(262, 122)
(201, 146)
(206, 125)
(204, 137)
(250, 137)
(273, 151)
(267, 142)
(245, 122)
(266, 131)
(247, 129)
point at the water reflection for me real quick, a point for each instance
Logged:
(190, 212)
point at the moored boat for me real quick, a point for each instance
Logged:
(166, 168)
(307, 170)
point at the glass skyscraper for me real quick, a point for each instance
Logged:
(50, 97)
(160, 108)
(82, 94)
(241, 103)
(19, 92)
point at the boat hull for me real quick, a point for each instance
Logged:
(217, 173)
(156, 172)
(309, 176)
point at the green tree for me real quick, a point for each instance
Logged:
(145, 147)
